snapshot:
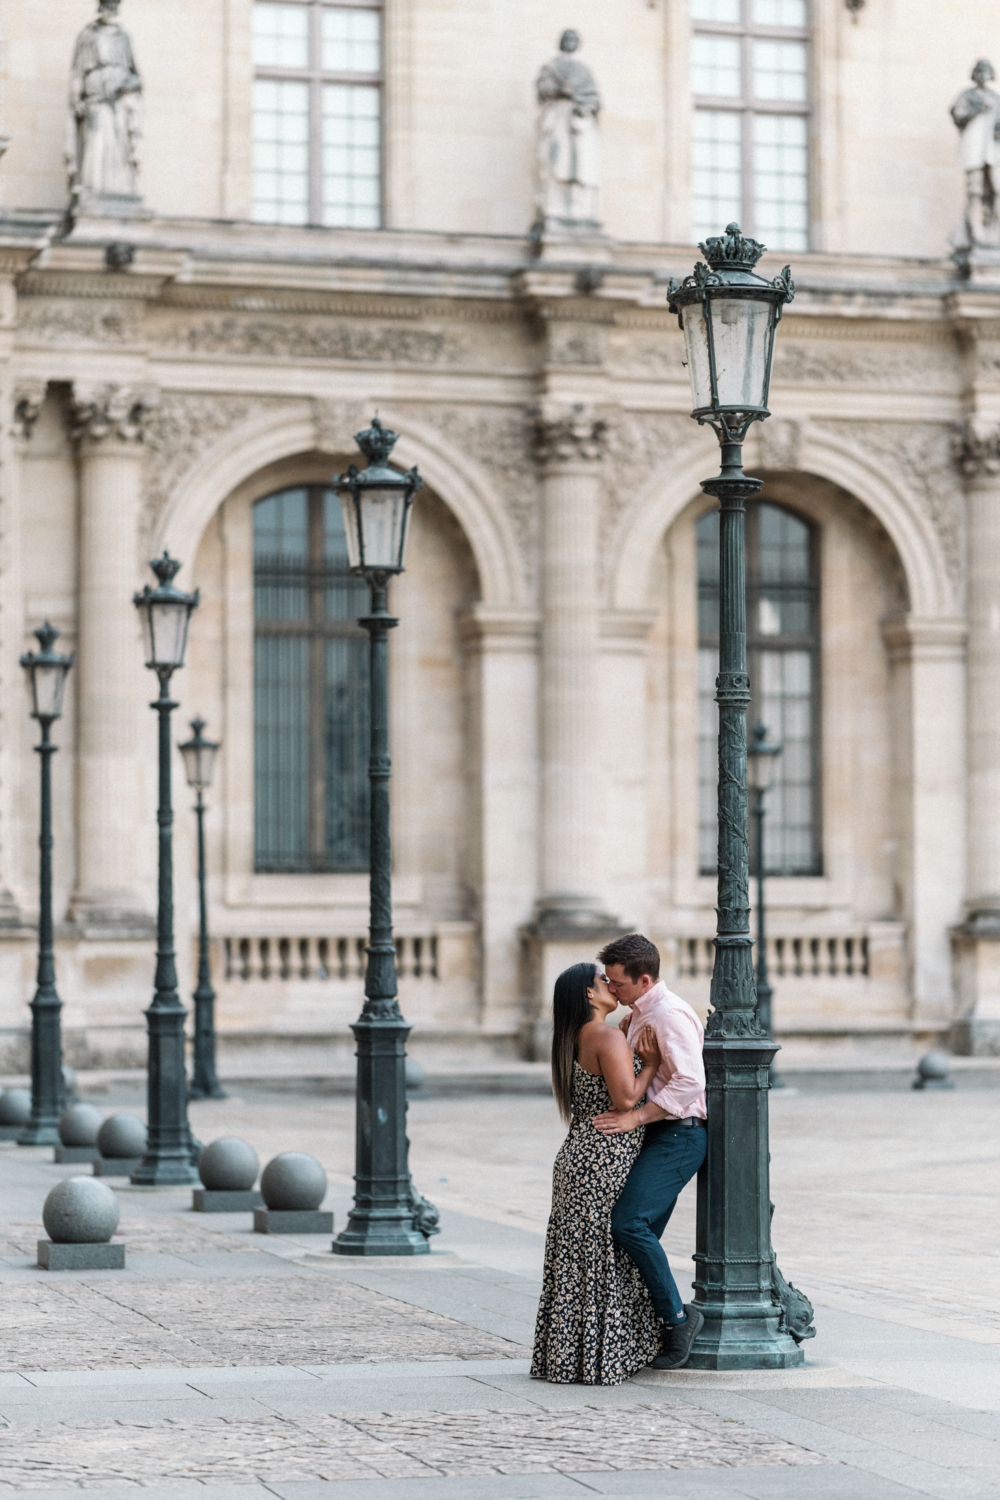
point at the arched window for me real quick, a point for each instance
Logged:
(783, 660)
(310, 688)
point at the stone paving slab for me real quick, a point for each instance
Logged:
(386, 1445)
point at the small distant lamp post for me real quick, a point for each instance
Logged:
(729, 316)
(387, 1215)
(165, 613)
(47, 672)
(199, 766)
(762, 757)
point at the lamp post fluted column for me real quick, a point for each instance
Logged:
(762, 757)
(729, 317)
(48, 671)
(165, 612)
(388, 1216)
(199, 761)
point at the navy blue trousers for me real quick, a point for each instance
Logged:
(669, 1158)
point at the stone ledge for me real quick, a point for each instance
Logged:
(105, 1257)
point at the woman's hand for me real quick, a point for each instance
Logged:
(647, 1048)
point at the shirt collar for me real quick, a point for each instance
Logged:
(650, 998)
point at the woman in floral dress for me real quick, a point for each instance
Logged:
(596, 1324)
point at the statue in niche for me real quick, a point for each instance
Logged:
(104, 122)
(568, 142)
(976, 112)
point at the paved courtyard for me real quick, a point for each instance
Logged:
(261, 1365)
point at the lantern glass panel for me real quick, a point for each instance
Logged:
(696, 342)
(352, 534)
(199, 763)
(741, 327)
(166, 631)
(48, 685)
(384, 520)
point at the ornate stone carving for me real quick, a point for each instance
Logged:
(638, 446)
(104, 122)
(571, 434)
(337, 422)
(568, 143)
(29, 398)
(118, 411)
(51, 320)
(976, 447)
(778, 442)
(901, 363)
(575, 343)
(299, 336)
(976, 112)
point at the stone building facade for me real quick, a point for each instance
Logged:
(171, 362)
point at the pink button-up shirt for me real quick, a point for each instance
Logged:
(678, 1086)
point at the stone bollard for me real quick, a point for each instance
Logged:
(80, 1215)
(70, 1090)
(15, 1112)
(932, 1072)
(78, 1127)
(415, 1080)
(293, 1186)
(121, 1144)
(228, 1169)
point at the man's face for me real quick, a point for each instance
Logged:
(627, 991)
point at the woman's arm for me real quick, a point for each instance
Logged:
(615, 1058)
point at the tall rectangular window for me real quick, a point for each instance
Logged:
(317, 111)
(311, 792)
(750, 141)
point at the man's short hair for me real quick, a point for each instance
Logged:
(636, 954)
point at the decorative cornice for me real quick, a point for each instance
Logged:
(29, 397)
(976, 447)
(117, 411)
(568, 434)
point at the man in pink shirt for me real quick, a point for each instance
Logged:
(675, 1142)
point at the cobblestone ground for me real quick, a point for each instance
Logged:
(397, 1446)
(309, 1318)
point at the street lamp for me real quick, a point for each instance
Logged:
(388, 1216)
(165, 613)
(762, 758)
(47, 672)
(199, 765)
(729, 316)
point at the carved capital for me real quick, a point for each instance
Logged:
(568, 434)
(29, 398)
(976, 447)
(120, 412)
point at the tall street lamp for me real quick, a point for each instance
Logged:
(388, 1216)
(47, 671)
(729, 316)
(199, 765)
(165, 613)
(762, 756)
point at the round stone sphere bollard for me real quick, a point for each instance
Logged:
(15, 1107)
(78, 1125)
(932, 1072)
(228, 1165)
(293, 1180)
(80, 1211)
(121, 1136)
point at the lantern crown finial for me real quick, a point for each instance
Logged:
(376, 443)
(46, 636)
(166, 568)
(732, 251)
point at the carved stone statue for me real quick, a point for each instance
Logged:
(976, 112)
(568, 142)
(104, 121)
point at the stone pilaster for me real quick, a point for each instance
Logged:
(109, 425)
(976, 941)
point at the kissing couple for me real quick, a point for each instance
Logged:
(634, 1099)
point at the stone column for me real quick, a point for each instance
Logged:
(570, 918)
(113, 687)
(977, 940)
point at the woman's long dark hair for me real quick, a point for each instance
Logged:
(570, 1011)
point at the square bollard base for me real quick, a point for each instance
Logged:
(216, 1201)
(74, 1153)
(115, 1166)
(292, 1221)
(106, 1257)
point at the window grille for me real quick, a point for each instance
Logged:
(311, 695)
(317, 107)
(750, 139)
(783, 654)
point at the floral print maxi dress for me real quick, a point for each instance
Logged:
(596, 1324)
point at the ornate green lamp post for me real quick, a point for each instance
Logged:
(729, 316)
(165, 613)
(762, 756)
(199, 766)
(47, 671)
(388, 1217)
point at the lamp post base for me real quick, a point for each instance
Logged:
(39, 1135)
(376, 1239)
